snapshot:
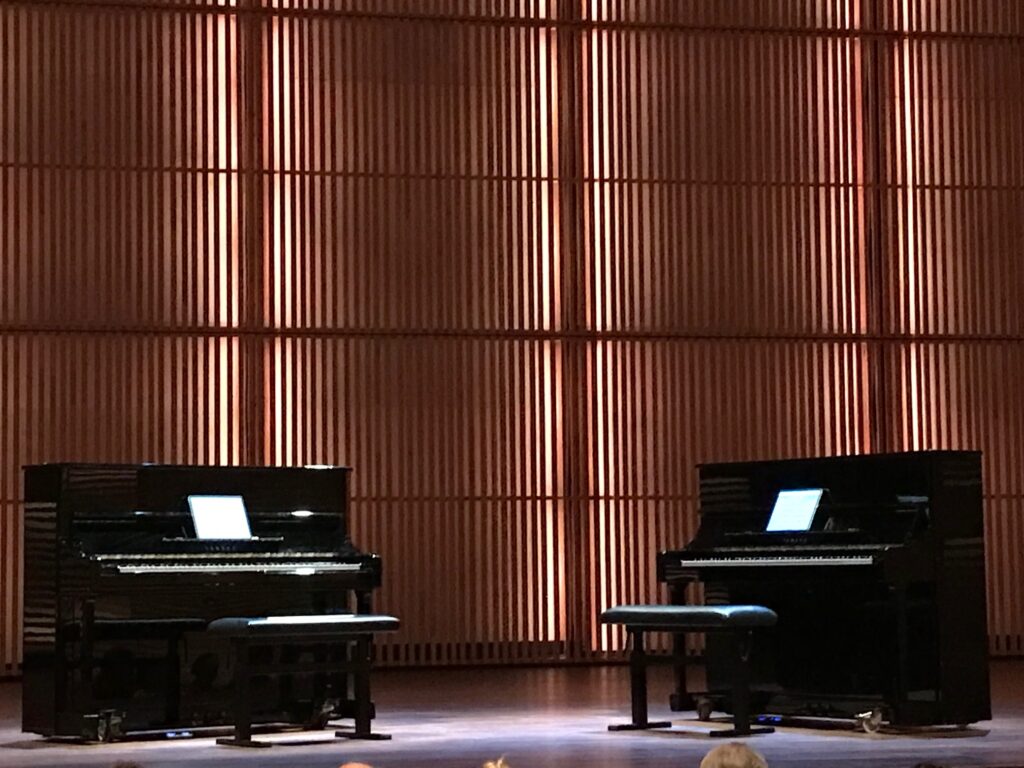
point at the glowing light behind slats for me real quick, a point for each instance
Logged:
(951, 208)
(521, 263)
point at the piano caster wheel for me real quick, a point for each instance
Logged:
(704, 709)
(679, 703)
(870, 722)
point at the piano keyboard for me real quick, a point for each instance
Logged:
(743, 562)
(299, 568)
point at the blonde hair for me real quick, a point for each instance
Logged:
(499, 763)
(733, 755)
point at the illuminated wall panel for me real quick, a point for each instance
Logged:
(120, 169)
(956, 393)
(951, 179)
(728, 197)
(950, 116)
(521, 263)
(410, 175)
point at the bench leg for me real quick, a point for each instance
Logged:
(242, 704)
(638, 687)
(741, 642)
(362, 661)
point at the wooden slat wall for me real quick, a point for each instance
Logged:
(522, 263)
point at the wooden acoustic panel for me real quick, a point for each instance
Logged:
(521, 263)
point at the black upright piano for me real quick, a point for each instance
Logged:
(881, 601)
(119, 590)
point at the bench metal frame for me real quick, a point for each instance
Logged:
(639, 660)
(359, 653)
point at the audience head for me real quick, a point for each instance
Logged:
(733, 755)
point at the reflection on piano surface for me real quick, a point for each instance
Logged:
(118, 590)
(881, 602)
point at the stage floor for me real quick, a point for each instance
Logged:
(540, 718)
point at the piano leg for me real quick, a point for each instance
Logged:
(364, 602)
(900, 682)
(173, 680)
(86, 656)
(638, 687)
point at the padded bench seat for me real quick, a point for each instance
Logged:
(283, 626)
(738, 621)
(355, 631)
(690, 618)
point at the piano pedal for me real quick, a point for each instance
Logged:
(104, 727)
(321, 715)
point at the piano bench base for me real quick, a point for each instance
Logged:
(731, 732)
(355, 632)
(246, 743)
(641, 726)
(355, 735)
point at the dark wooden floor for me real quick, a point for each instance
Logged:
(540, 718)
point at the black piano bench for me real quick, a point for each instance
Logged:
(739, 621)
(355, 631)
